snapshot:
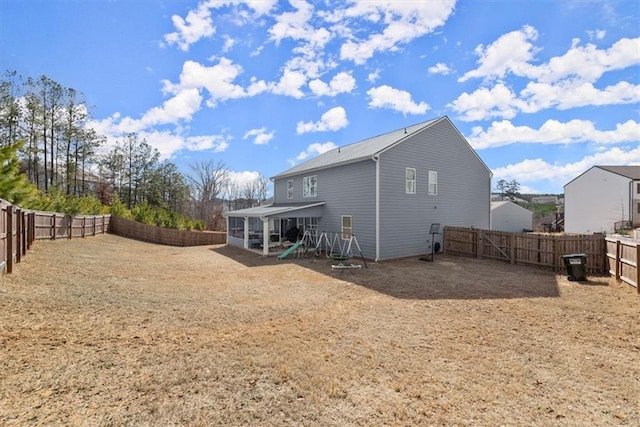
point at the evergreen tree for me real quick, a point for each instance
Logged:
(14, 186)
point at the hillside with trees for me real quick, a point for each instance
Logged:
(53, 160)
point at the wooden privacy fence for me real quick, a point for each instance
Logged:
(623, 257)
(164, 236)
(19, 228)
(540, 250)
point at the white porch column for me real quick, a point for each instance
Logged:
(246, 232)
(265, 236)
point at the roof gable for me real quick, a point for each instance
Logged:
(631, 172)
(357, 151)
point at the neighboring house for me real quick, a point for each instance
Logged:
(545, 199)
(386, 190)
(508, 216)
(602, 199)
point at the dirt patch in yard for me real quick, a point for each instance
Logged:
(110, 331)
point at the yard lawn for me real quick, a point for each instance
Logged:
(110, 331)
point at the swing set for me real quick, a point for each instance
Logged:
(339, 249)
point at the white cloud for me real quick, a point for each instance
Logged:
(567, 95)
(340, 83)
(198, 23)
(553, 132)
(334, 119)
(588, 63)
(374, 76)
(485, 103)
(511, 52)
(290, 84)
(395, 99)
(218, 80)
(597, 34)
(539, 170)
(181, 107)
(229, 42)
(563, 82)
(439, 68)
(261, 136)
(401, 22)
(315, 149)
(243, 178)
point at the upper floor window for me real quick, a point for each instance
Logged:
(309, 186)
(290, 189)
(411, 181)
(433, 183)
(638, 188)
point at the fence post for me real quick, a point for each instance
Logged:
(556, 255)
(53, 226)
(9, 239)
(18, 235)
(512, 248)
(638, 268)
(24, 231)
(70, 225)
(618, 260)
(84, 225)
(32, 229)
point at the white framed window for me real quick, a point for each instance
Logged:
(309, 186)
(411, 181)
(433, 183)
(290, 189)
(347, 227)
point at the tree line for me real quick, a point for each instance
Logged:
(47, 127)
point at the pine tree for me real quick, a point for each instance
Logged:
(14, 185)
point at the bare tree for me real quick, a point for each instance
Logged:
(262, 188)
(207, 181)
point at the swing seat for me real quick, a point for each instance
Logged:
(340, 257)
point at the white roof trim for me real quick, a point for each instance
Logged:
(270, 210)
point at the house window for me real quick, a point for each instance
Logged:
(411, 181)
(433, 183)
(309, 186)
(290, 189)
(347, 228)
(638, 188)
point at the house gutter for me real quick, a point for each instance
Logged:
(376, 159)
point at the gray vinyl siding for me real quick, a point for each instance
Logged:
(348, 190)
(464, 186)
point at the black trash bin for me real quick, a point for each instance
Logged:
(576, 265)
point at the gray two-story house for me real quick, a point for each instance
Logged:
(386, 190)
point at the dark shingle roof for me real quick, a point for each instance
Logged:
(357, 151)
(632, 172)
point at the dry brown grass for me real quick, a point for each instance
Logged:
(109, 331)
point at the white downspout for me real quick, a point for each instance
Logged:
(265, 236)
(246, 232)
(376, 159)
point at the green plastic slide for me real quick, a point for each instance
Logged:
(286, 253)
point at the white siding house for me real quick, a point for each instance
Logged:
(508, 216)
(602, 199)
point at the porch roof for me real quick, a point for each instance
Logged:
(272, 210)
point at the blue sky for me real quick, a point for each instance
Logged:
(542, 90)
